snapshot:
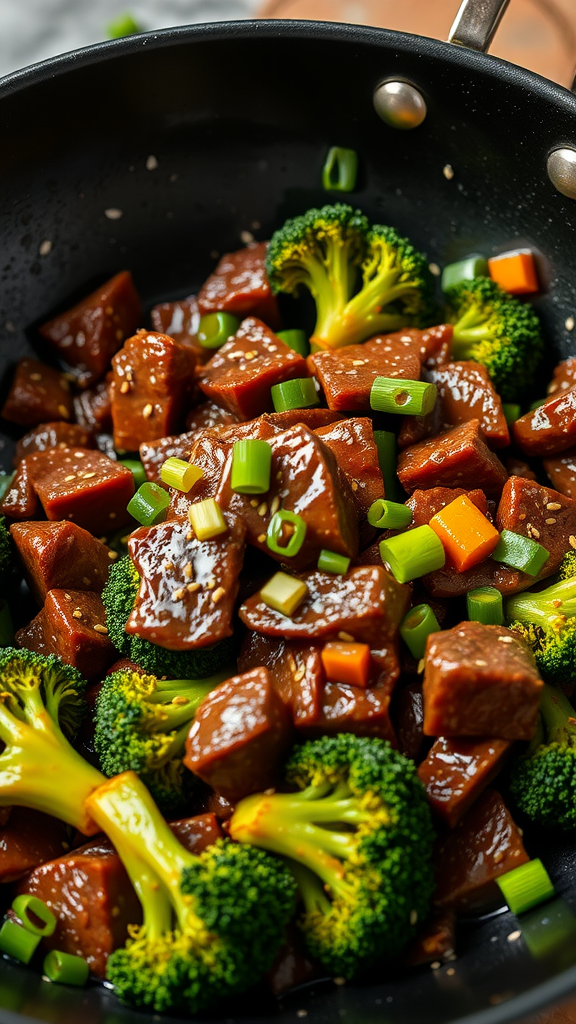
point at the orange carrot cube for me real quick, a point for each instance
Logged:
(515, 272)
(347, 663)
(466, 534)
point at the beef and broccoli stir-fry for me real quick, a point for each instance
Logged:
(288, 629)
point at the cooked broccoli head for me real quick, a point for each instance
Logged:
(543, 782)
(547, 622)
(496, 329)
(213, 923)
(327, 251)
(359, 838)
(118, 598)
(141, 723)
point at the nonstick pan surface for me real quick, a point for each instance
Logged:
(238, 118)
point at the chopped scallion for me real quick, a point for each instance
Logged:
(485, 606)
(206, 519)
(520, 552)
(416, 627)
(277, 530)
(215, 329)
(18, 942)
(180, 474)
(42, 922)
(413, 554)
(150, 504)
(66, 968)
(123, 25)
(251, 465)
(526, 886)
(388, 515)
(296, 340)
(386, 445)
(6, 625)
(137, 470)
(299, 393)
(340, 170)
(464, 270)
(331, 561)
(408, 397)
(284, 593)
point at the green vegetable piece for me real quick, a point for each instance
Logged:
(464, 270)
(66, 968)
(206, 519)
(520, 552)
(416, 627)
(26, 905)
(330, 561)
(413, 554)
(137, 470)
(18, 942)
(6, 625)
(150, 504)
(180, 474)
(276, 531)
(408, 397)
(299, 393)
(217, 328)
(123, 25)
(485, 605)
(526, 886)
(512, 412)
(550, 934)
(388, 515)
(386, 445)
(296, 340)
(251, 465)
(340, 170)
(284, 593)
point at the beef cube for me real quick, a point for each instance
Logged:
(436, 940)
(52, 435)
(347, 374)
(425, 504)
(480, 681)
(209, 416)
(187, 587)
(313, 418)
(87, 336)
(408, 719)
(71, 625)
(296, 672)
(239, 285)
(448, 582)
(483, 846)
(20, 500)
(180, 320)
(61, 555)
(564, 376)
(456, 458)
(561, 469)
(540, 513)
(38, 395)
(29, 838)
(151, 388)
(364, 711)
(432, 345)
(240, 374)
(465, 392)
(239, 737)
(153, 454)
(367, 604)
(457, 771)
(353, 444)
(93, 408)
(549, 429)
(84, 486)
(517, 467)
(198, 832)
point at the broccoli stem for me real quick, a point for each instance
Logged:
(546, 608)
(180, 700)
(559, 716)
(156, 906)
(313, 895)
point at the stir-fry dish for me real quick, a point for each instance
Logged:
(288, 630)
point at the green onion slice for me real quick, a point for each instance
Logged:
(123, 25)
(43, 921)
(299, 393)
(180, 474)
(66, 968)
(150, 504)
(331, 561)
(512, 412)
(284, 593)
(413, 554)
(386, 445)
(296, 340)
(137, 470)
(251, 466)
(206, 519)
(215, 329)
(18, 942)
(388, 515)
(464, 270)
(526, 886)
(340, 170)
(485, 606)
(276, 531)
(520, 552)
(6, 625)
(416, 627)
(408, 397)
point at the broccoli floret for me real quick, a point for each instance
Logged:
(142, 723)
(543, 782)
(327, 250)
(547, 622)
(496, 329)
(359, 836)
(118, 598)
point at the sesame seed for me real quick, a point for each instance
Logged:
(421, 666)
(179, 594)
(217, 595)
(188, 570)
(514, 936)
(35, 376)
(262, 509)
(191, 587)
(299, 675)
(180, 700)
(435, 965)
(79, 455)
(506, 639)
(246, 237)
(76, 614)
(99, 628)
(147, 410)
(434, 269)
(253, 503)
(211, 584)
(339, 981)
(569, 323)
(124, 387)
(451, 971)
(45, 247)
(535, 532)
(168, 565)
(250, 355)
(272, 348)
(190, 535)
(301, 1013)
(553, 506)
(151, 163)
(88, 476)
(63, 412)
(261, 538)
(357, 362)
(112, 555)
(354, 485)
(113, 213)
(275, 505)
(279, 474)
(342, 635)
(129, 375)
(67, 597)
(480, 663)
(71, 476)
(549, 522)
(448, 172)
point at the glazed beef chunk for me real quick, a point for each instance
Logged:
(61, 555)
(71, 625)
(456, 458)
(347, 374)
(550, 428)
(239, 285)
(353, 444)
(93, 407)
(561, 470)
(456, 771)
(38, 395)
(180, 320)
(52, 435)
(480, 681)
(29, 838)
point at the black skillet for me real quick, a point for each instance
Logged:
(238, 118)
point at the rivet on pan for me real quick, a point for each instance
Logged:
(561, 167)
(399, 104)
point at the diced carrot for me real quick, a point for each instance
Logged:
(515, 272)
(466, 534)
(347, 663)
